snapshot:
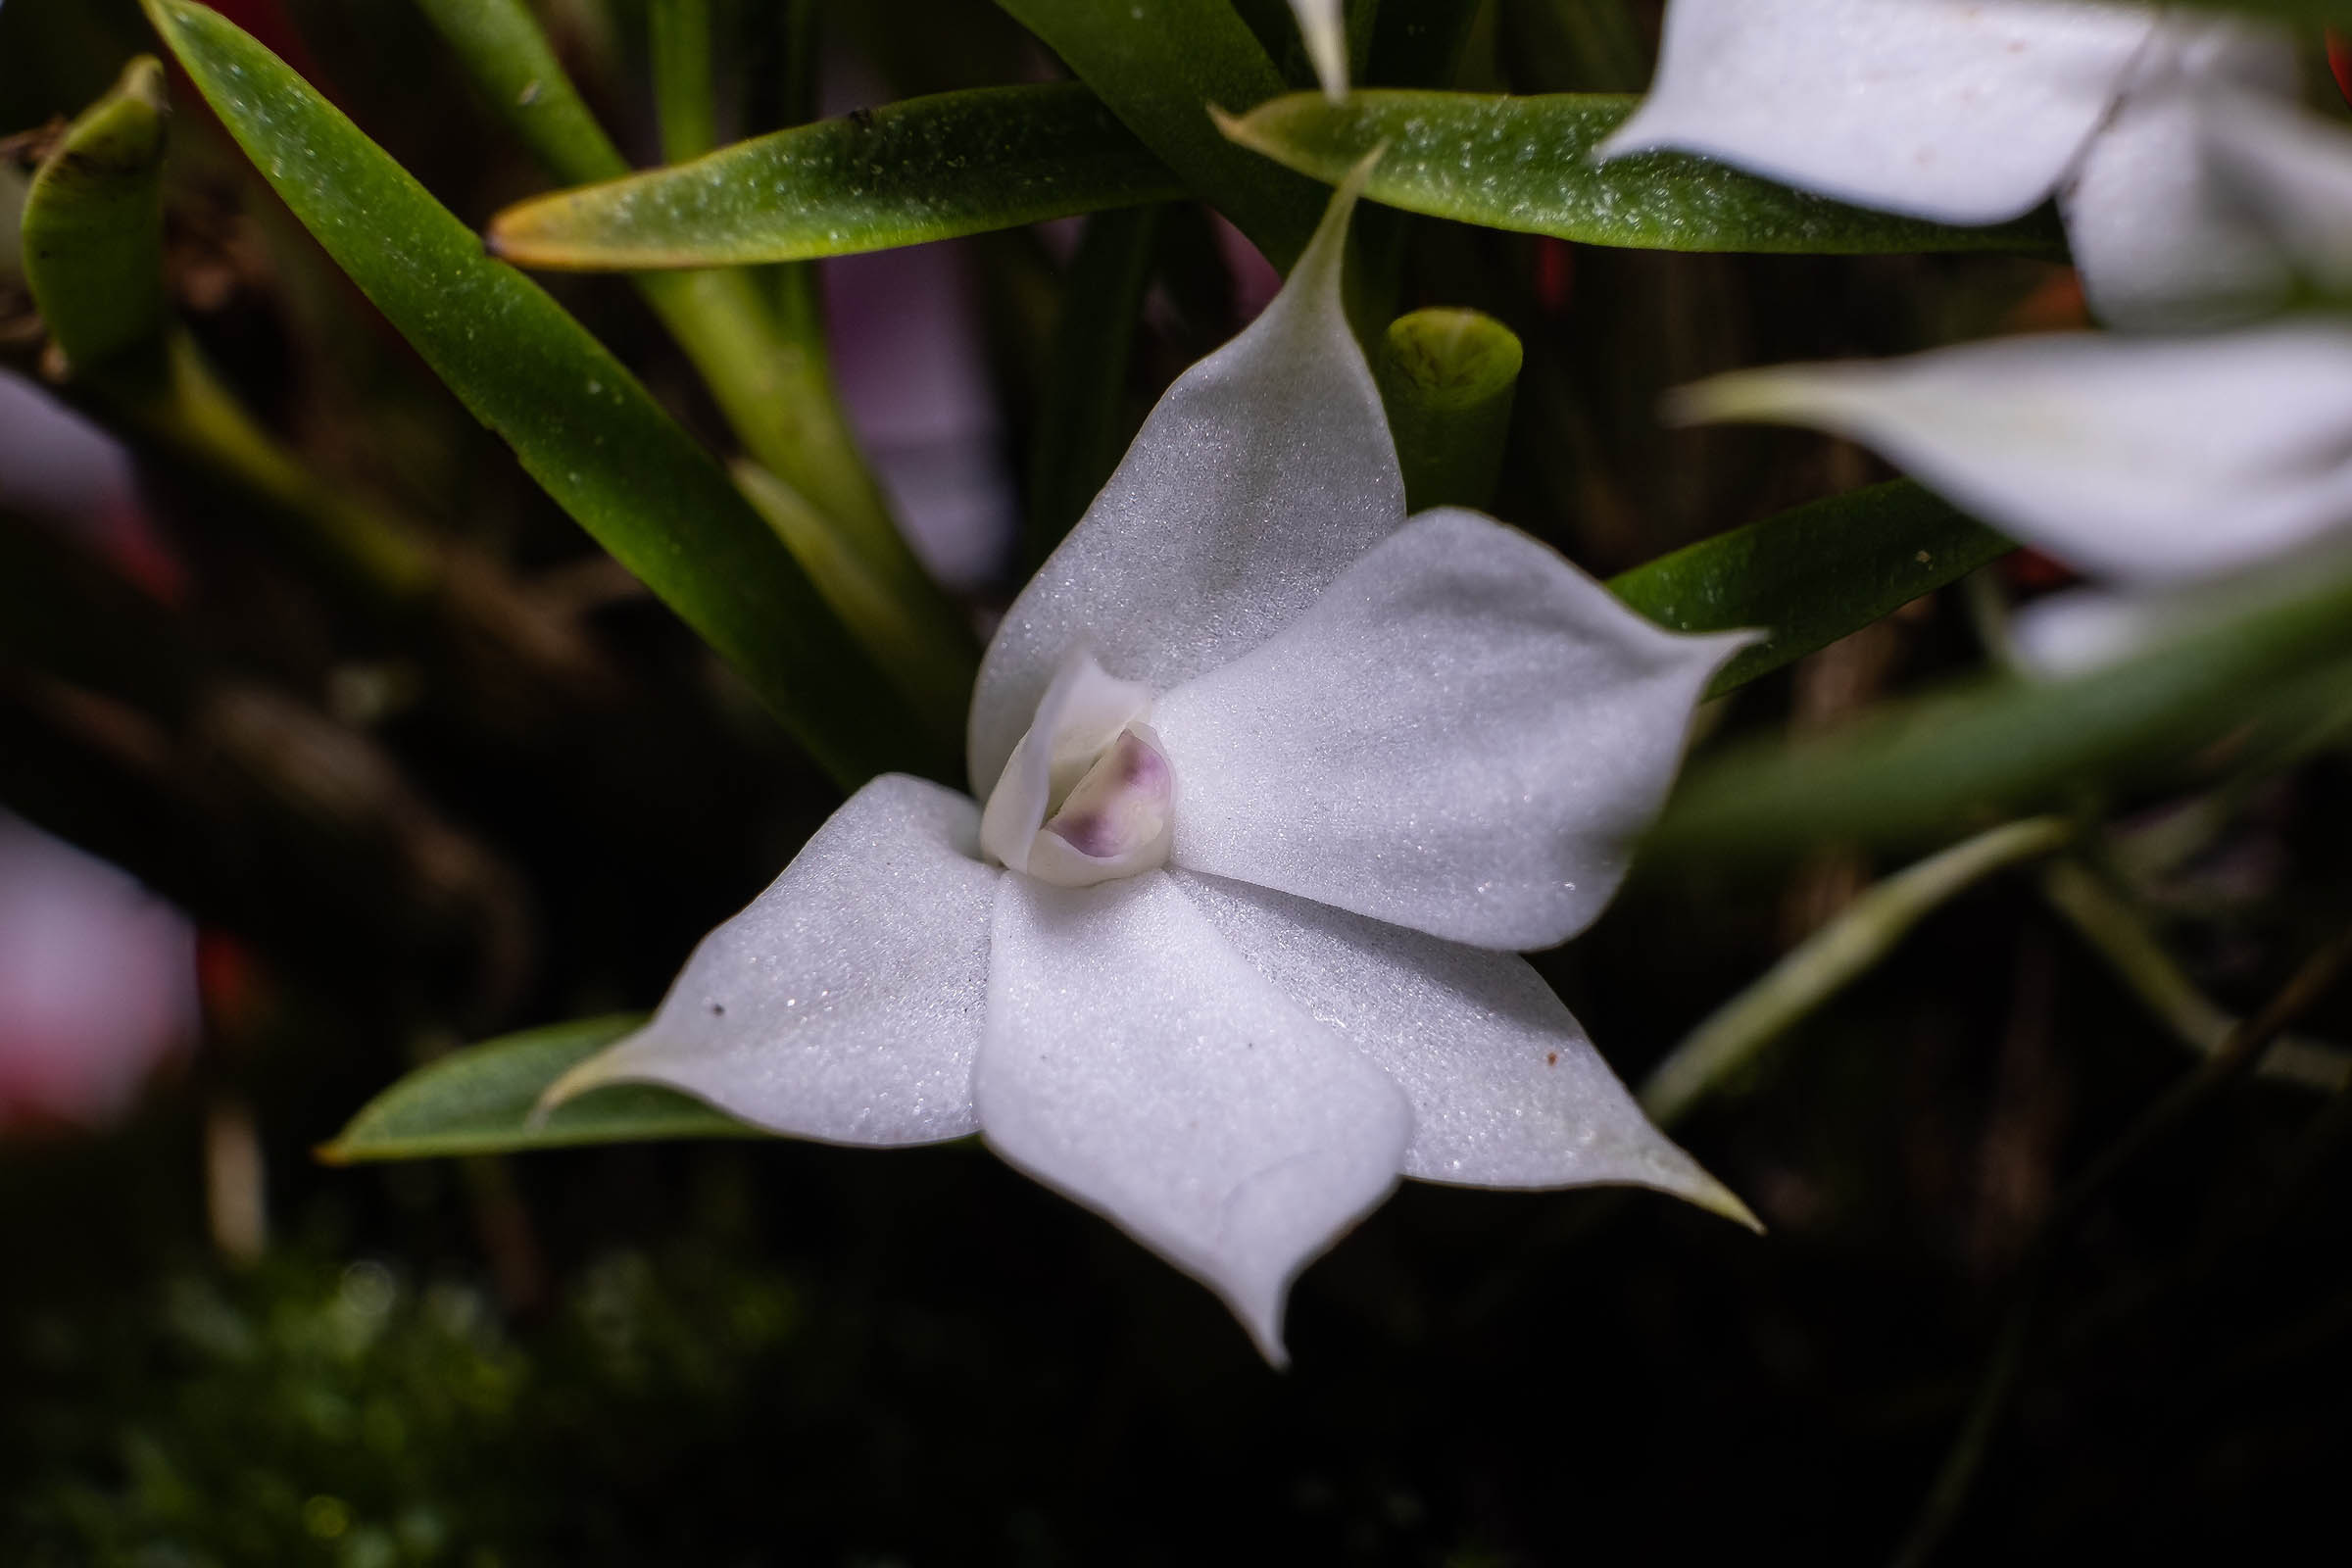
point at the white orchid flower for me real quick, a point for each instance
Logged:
(2179, 470)
(1324, 28)
(1276, 780)
(2193, 190)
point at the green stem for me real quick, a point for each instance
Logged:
(1447, 377)
(1832, 959)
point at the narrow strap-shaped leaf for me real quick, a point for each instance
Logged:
(511, 58)
(958, 163)
(581, 423)
(1159, 66)
(1997, 745)
(1730, 1037)
(1809, 575)
(1525, 163)
(93, 224)
(480, 1101)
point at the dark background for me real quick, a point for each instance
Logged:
(767, 1353)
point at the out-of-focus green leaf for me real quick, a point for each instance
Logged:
(1809, 575)
(1525, 163)
(1082, 419)
(480, 1101)
(1732, 1037)
(93, 224)
(581, 423)
(958, 163)
(1159, 66)
(511, 61)
(764, 366)
(1995, 747)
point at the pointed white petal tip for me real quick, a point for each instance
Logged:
(1325, 32)
(1784, 396)
(1716, 1198)
(591, 1073)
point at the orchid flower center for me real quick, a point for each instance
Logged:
(1088, 795)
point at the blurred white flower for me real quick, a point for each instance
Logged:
(2179, 471)
(97, 983)
(2193, 189)
(1276, 779)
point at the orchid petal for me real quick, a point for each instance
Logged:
(2159, 242)
(1959, 111)
(1135, 1062)
(1506, 1089)
(2293, 171)
(2139, 458)
(2160, 235)
(2079, 630)
(1325, 32)
(1265, 470)
(845, 1004)
(1462, 735)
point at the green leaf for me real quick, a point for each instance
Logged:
(959, 163)
(765, 366)
(93, 224)
(1525, 163)
(479, 1101)
(1810, 575)
(581, 423)
(1159, 66)
(511, 60)
(1995, 747)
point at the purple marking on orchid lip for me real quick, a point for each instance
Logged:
(1121, 805)
(1089, 833)
(1141, 764)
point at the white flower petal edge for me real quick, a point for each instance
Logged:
(2293, 171)
(2142, 460)
(1506, 1089)
(1135, 1062)
(1959, 111)
(1261, 475)
(845, 1004)
(2161, 235)
(1462, 735)
(1325, 31)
